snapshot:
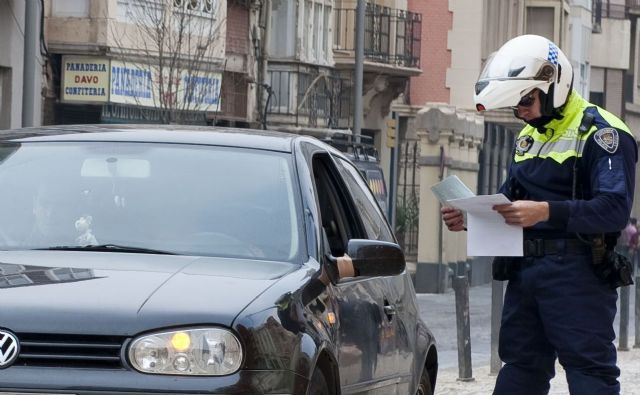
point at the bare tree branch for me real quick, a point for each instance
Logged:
(180, 43)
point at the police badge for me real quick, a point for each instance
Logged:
(523, 144)
(608, 139)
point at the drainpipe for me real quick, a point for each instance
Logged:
(264, 99)
(31, 14)
(440, 288)
(359, 70)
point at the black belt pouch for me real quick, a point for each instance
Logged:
(505, 267)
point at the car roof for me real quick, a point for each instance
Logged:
(211, 135)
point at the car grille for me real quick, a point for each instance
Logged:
(72, 351)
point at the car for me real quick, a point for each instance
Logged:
(179, 259)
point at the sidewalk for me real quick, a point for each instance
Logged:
(438, 311)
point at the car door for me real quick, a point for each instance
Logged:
(399, 293)
(367, 355)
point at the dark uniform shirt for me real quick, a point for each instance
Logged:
(543, 170)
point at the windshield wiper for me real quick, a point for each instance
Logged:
(108, 248)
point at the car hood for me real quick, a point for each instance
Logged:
(124, 293)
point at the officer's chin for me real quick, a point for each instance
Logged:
(531, 121)
(516, 114)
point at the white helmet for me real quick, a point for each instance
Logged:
(522, 64)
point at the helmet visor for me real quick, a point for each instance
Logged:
(518, 68)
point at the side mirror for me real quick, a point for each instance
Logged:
(376, 258)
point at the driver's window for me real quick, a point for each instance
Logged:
(372, 218)
(339, 219)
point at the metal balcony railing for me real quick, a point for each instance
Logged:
(633, 6)
(314, 97)
(610, 9)
(391, 36)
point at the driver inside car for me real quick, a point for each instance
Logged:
(52, 223)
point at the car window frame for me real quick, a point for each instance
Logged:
(348, 171)
(350, 220)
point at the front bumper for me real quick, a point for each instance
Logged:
(102, 381)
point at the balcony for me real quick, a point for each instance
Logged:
(633, 7)
(392, 39)
(611, 9)
(309, 97)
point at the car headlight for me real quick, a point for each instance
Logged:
(197, 351)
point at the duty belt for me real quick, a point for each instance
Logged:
(542, 247)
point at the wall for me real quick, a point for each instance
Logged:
(108, 23)
(611, 48)
(579, 52)
(465, 43)
(457, 134)
(613, 91)
(435, 56)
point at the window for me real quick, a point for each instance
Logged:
(147, 13)
(283, 32)
(338, 214)
(308, 9)
(541, 21)
(316, 32)
(195, 6)
(325, 32)
(195, 17)
(280, 82)
(373, 220)
(597, 98)
(70, 8)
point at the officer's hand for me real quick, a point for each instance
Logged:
(453, 218)
(524, 213)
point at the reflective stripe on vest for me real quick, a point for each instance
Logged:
(565, 142)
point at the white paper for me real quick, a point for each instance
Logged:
(451, 188)
(487, 233)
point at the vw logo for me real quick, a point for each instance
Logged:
(9, 348)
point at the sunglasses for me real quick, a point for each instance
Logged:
(527, 101)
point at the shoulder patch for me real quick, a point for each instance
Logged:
(608, 139)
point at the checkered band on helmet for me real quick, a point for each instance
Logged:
(553, 53)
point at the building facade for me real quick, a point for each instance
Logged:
(308, 82)
(144, 61)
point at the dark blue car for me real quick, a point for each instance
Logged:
(146, 259)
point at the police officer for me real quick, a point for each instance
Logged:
(571, 184)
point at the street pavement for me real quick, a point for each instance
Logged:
(438, 311)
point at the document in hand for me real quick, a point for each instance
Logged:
(451, 188)
(487, 232)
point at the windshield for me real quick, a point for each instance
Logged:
(184, 199)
